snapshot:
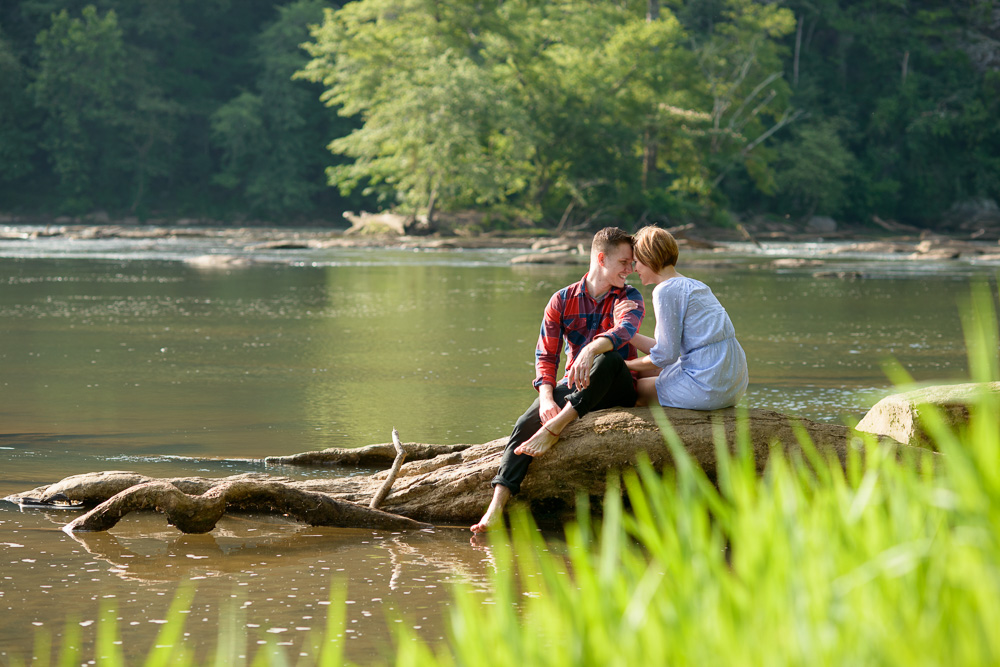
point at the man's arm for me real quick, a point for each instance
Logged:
(626, 325)
(549, 345)
(547, 351)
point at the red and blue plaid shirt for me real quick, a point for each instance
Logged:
(574, 316)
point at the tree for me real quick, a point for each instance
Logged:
(272, 137)
(17, 131)
(438, 128)
(813, 170)
(80, 87)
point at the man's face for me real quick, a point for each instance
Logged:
(618, 264)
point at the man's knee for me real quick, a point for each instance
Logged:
(607, 366)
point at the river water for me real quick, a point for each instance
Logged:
(121, 355)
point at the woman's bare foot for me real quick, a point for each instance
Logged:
(501, 494)
(539, 443)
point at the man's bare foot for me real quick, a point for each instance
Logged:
(494, 513)
(538, 444)
(484, 525)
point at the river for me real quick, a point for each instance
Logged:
(120, 355)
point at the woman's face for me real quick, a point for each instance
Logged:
(646, 274)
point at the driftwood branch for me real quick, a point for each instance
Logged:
(200, 513)
(396, 465)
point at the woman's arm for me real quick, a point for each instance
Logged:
(642, 343)
(644, 366)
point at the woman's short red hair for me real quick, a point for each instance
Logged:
(655, 247)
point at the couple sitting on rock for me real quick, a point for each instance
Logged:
(694, 360)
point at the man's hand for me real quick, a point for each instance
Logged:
(547, 406)
(579, 374)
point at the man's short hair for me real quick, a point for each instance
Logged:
(655, 247)
(608, 239)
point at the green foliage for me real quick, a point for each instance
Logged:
(437, 126)
(273, 138)
(900, 81)
(571, 113)
(814, 170)
(80, 87)
(16, 141)
(549, 106)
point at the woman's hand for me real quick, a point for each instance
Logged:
(623, 308)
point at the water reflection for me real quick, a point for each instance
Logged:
(279, 571)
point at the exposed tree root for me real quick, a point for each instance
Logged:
(200, 513)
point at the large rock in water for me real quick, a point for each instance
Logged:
(898, 416)
(454, 487)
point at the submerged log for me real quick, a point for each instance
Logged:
(454, 488)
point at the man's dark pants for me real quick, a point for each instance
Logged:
(611, 385)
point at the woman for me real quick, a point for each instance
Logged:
(694, 361)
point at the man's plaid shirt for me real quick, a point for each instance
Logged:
(572, 314)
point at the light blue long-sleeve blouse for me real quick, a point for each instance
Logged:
(703, 365)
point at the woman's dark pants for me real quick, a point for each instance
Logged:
(611, 386)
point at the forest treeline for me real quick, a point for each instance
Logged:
(546, 112)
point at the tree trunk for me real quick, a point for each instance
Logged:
(648, 157)
(798, 51)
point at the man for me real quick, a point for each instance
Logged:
(596, 376)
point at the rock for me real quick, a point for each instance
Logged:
(872, 247)
(282, 245)
(937, 254)
(551, 258)
(454, 488)
(840, 275)
(898, 416)
(941, 246)
(795, 263)
(376, 224)
(212, 262)
(973, 213)
(821, 224)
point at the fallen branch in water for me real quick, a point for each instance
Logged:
(200, 513)
(370, 455)
(396, 465)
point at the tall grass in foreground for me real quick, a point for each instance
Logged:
(891, 561)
